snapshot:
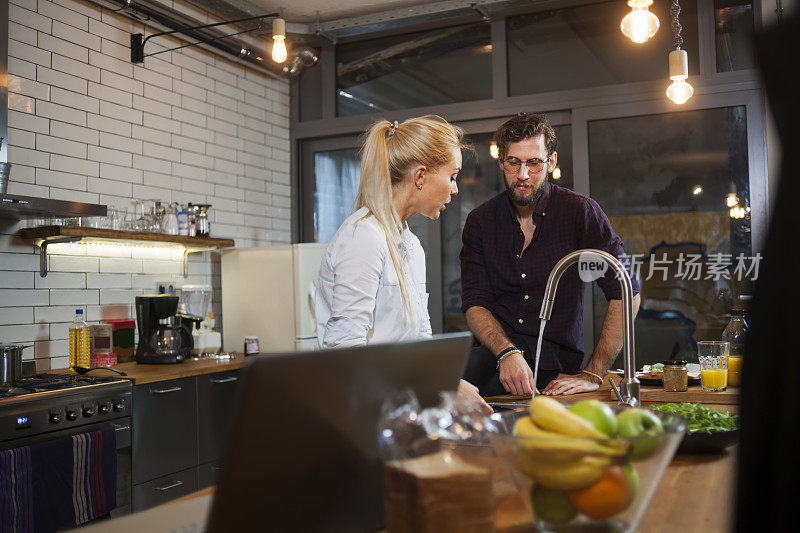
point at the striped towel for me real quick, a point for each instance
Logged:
(57, 484)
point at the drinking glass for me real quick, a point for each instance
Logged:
(713, 357)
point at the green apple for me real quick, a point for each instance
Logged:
(552, 505)
(597, 413)
(643, 428)
(633, 480)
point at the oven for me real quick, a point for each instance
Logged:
(45, 416)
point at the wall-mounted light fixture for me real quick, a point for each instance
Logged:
(679, 91)
(697, 190)
(138, 40)
(493, 150)
(639, 25)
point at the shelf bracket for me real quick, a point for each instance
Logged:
(43, 251)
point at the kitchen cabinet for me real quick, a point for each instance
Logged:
(180, 427)
(164, 428)
(164, 489)
(215, 399)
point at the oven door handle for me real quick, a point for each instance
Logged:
(166, 391)
(172, 485)
(122, 427)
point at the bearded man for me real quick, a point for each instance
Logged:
(510, 245)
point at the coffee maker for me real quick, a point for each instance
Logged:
(162, 337)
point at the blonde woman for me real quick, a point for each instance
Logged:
(372, 279)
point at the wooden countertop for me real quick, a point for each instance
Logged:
(141, 374)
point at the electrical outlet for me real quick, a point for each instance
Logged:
(165, 287)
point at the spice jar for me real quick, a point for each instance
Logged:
(676, 378)
(251, 346)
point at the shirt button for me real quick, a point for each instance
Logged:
(523, 275)
(527, 297)
(520, 321)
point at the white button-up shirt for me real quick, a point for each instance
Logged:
(358, 299)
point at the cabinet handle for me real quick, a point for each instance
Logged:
(170, 486)
(225, 380)
(166, 391)
(121, 427)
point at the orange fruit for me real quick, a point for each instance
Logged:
(608, 496)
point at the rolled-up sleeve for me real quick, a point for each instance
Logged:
(598, 233)
(358, 263)
(476, 287)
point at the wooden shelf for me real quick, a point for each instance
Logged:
(46, 235)
(198, 243)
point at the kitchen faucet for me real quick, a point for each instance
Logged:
(629, 387)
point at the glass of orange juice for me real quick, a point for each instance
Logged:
(713, 357)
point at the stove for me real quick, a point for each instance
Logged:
(45, 403)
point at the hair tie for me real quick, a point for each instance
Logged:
(392, 127)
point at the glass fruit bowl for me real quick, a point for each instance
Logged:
(584, 479)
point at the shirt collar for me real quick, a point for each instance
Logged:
(541, 204)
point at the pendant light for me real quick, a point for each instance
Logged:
(279, 53)
(679, 91)
(639, 25)
(493, 150)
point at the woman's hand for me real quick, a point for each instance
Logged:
(468, 394)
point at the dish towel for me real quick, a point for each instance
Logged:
(59, 483)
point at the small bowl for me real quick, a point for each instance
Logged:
(650, 468)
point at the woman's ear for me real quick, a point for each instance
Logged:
(419, 177)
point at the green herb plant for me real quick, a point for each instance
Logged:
(701, 419)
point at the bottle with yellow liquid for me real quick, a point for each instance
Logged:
(79, 348)
(736, 334)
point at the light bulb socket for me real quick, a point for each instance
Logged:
(639, 3)
(678, 64)
(278, 28)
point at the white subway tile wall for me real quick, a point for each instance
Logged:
(86, 124)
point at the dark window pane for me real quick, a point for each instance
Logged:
(664, 180)
(734, 33)
(479, 180)
(432, 67)
(583, 46)
(336, 177)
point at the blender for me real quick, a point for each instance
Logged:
(194, 304)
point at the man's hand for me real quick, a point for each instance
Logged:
(571, 385)
(515, 375)
(468, 394)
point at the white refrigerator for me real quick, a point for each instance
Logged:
(269, 292)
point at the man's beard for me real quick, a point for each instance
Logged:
(520, 199)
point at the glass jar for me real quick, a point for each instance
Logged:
(251, 346)
(676, 377)
(736, 334)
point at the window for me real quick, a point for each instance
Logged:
(734, 34)
(583, 46)
(480, 179)
(422, 69)
(336, 177)
(664, 181)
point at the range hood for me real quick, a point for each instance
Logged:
(16, 207)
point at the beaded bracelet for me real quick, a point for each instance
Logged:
(593, 375)
(505, 353)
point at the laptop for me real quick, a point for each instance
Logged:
(303, 452)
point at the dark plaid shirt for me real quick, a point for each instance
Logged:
(495, 277)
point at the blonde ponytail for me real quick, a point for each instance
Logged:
(428, 141)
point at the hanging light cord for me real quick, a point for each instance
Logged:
(674, 11)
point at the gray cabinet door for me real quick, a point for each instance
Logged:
(164, 489)
(164, 428)
(215, 399)
(208, 474)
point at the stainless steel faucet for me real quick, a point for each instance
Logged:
(629, 387)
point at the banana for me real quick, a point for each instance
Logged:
(547, 446)
(549, 414)
(567, 476)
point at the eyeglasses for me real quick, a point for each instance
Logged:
(512, 165)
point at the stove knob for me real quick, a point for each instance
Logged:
(88, 412)
(55, 418)
(119, 406)
(103, 409)
(72, 415)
